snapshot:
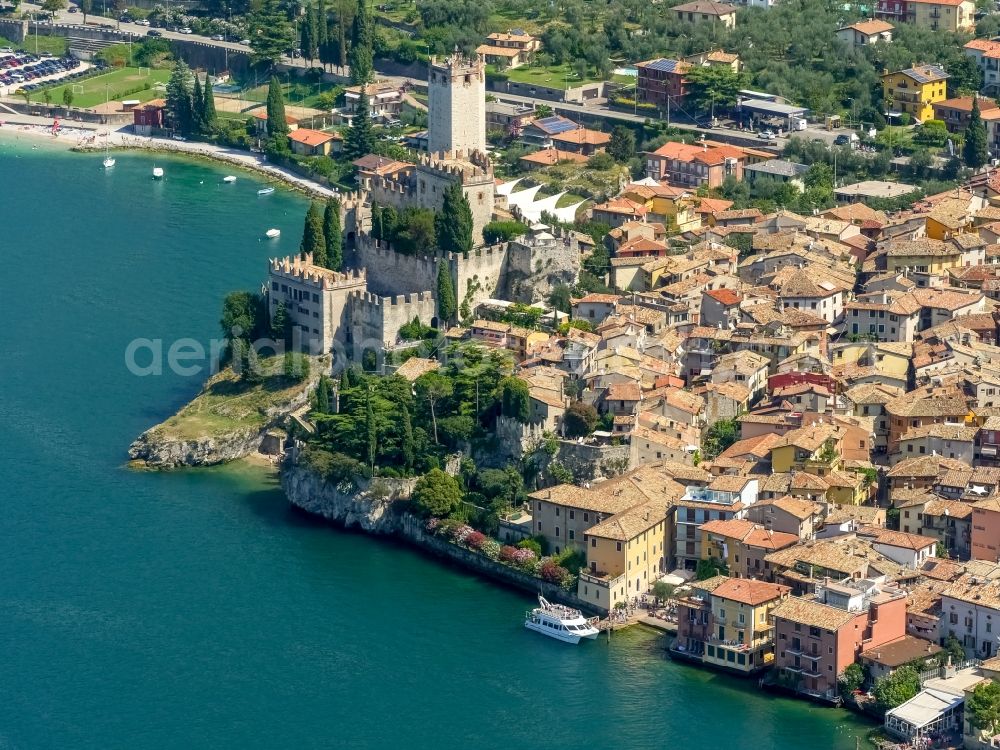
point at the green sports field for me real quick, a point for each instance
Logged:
(118, 84)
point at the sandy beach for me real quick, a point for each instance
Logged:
(84, 136)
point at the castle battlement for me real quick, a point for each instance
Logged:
(304, 271)
(459, 164)
(457, 64)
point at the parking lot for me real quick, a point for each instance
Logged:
(23, 71)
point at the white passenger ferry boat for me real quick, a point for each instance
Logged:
(559, 622)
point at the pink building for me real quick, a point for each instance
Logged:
(816, 639)
(986, 530)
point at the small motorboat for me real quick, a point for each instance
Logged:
(272, 233)
(108, 162)
(265, 191)
(560, 622)
(229, 178)
(157, 173)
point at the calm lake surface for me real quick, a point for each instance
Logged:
(196, 609)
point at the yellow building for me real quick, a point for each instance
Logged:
(913, 91)
(626, 554)
(675, 205)
(947, 15)
(950, 217)
(742, 637)
(891, 359)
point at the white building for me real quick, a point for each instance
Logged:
(970, 612)
(822, 297)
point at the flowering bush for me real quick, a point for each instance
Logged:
(460, 533)
(491, 549)
(447, 527)
(432, 524)
(475, 540)
(552, 571)
(523, 557)
(507, 554)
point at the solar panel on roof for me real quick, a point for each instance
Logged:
(666, 66)
(556, 124)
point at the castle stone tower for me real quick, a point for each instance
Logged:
(457, 105)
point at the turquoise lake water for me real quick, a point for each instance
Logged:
(196, 609)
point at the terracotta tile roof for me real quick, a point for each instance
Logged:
(623, 392)
(630, 523)
(708, 7)
(310, 137)
(903, 540)
(750, 591)
(973, 590)
(812, 613)
(724, 296)
(583, 136)
(794, 506)
(414, 367)
(759, 446)
(903, 651)
(874, 26)
(549, 156)
(594, 499)
(924, 466)
(713, 205)
(910, 405)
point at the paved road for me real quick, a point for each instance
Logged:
(596, 110)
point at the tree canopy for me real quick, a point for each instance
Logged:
(453, 223)
(437, 494)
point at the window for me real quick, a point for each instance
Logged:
(593, 541)
(618, 546)
(557, 531)
(539, 525)
(586, 517)
(572, 534)
(572, 514)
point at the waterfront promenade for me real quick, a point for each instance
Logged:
(81, 135)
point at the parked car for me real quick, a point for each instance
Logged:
(142, 22)
(154, 32)
(767, 135)
(218, 38)
(185, 30)
(73, 9)
(245, 42)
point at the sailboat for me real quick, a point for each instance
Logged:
(108, 159)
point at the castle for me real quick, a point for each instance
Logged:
(363, 309)
(423, 184)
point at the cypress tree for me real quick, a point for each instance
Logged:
(453, 224)
(371, 430)
(975, 151)
(362, 44)
(406, 447)
(197, 107)
(323, 395)
(332, 234)
(322, 28)
(312, 235)
(360, 139)
(208, 115)
(445, 294)
(277, 125)
(179, 98)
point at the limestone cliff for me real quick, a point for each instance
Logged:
(366, 504)
(227, 420)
